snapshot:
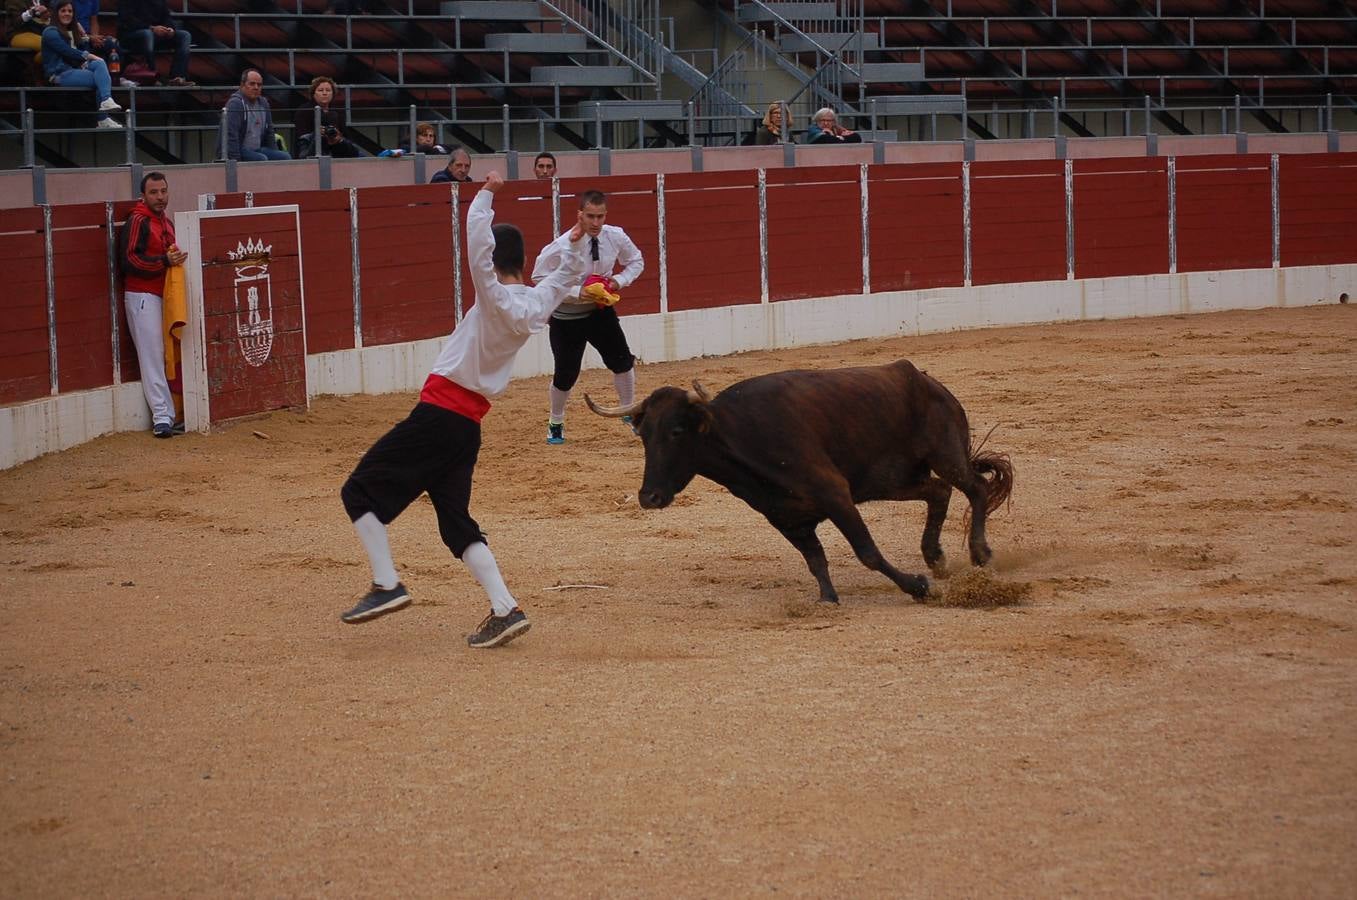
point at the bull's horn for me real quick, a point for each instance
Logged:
(699, 392)
(613, 412)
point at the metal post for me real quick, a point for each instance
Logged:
(130, 129)
(663, 243)
(110, 253)
(458, 308)
(966, 223)
(1148, 129)
(691, 114)
(598, 126)
(541, 135)
(1276, 212)
(1069, 220)
(1238, 115)
(221, 137)
(866, 231)
(504, 127)
(28, 138)
(763, 236)
(316, 136)
(1173, 214)
(51, 297)
(356, 269)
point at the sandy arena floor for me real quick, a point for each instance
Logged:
(1173, 713)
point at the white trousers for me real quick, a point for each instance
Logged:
(148, 334)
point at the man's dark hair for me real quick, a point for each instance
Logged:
(508, 255)
(152, 176)
(593, 198)
(544, 155)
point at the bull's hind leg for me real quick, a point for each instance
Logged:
(938, 495)
(965, 479)
(803, 538)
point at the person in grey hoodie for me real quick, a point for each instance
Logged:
(249, 122)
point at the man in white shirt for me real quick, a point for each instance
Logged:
(582, 319)
(435, 448)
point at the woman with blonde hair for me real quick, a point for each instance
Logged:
(770, 129)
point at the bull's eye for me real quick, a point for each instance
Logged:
(676, 431)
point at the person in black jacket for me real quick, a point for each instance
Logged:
(144, 25)
(332, 141)
(457, 169)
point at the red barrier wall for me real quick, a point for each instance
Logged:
(915, 225)
(1319, 209)
(405, 244)
(632, 206)
(1017, 221)
(24, 357)
(1121, 209)
(712, 234)
(814, 232)
(84, 318)
(1224, 212)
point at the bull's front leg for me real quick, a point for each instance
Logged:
(844, 514)
(803, 538)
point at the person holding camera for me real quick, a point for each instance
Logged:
(249, 122)
(332, 140)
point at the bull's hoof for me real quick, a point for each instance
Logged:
(938, 565)
(916, 586)
(832, 601)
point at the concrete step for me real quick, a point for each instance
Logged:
(876, 73)
(537, 43)
(582, 76)
(792, 12)
(631, 110)
(493, 10)
(795, 43)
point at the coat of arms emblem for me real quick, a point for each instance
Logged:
(254, 323)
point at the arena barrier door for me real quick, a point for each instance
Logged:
(244, 345)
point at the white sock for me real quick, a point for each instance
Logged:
(626, 387)
(558, 401)
(372, 533)
(481, 562)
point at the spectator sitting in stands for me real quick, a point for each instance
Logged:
(426, 142)
(544, 166)
(769, 131)
(825, 129)
(24, 22)
(457, 169)
(106, 45)
(68, 61)
(144, 25)
(332, 141)
(249, 122)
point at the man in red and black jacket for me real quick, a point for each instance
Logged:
(149, 250)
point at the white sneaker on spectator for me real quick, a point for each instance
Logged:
(109, 123)
(110, 105)
(126, 82)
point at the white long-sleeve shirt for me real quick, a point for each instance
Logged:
(479, 355)
(614, 249)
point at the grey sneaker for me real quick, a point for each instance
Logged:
(496, 630)
(376, 603)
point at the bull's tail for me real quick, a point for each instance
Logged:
(997, 470)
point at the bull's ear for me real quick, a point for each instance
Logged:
(700, 418)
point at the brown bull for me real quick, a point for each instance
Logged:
(805, 446)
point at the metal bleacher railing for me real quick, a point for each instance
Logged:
(1204, 74)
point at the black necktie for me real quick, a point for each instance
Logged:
(593, 249)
